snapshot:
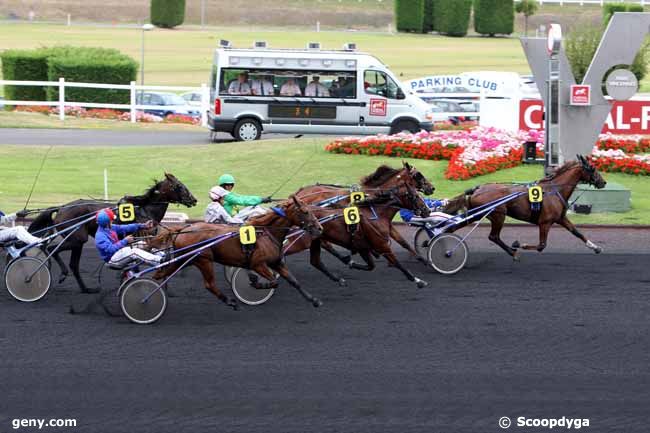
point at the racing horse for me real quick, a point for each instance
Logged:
(383, 178)
(264, 258)
(557, 188)
(372, 234)
(151, 205)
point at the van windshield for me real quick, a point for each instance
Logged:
(288, 83)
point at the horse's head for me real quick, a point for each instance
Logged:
(589, 173)
(408, 198)
(421, 183)
(172, 190)
(299, 215)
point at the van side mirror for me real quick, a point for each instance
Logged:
(400, 94)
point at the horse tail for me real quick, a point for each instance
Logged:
(43, 220)
(460, 202)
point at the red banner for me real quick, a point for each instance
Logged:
(626, 117)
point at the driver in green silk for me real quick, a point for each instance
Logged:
(232, 201)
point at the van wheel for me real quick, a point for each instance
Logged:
(405, 126)
(247, 130)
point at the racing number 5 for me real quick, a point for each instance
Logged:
(126, 212)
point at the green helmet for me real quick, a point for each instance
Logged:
(226, 178)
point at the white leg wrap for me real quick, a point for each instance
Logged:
(592, 245)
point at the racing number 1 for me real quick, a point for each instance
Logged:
(247, 235)
(351, 215)
(126, 212)
(535, 194)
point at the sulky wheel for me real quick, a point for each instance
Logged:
(245, 292)
(421, 242)
(228, 272)
(28, 279)
(141, 300)
(447, 253)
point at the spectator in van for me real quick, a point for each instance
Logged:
(241, 86)
(290, 88)
(315, 88)
(343, 87)
(262, 87)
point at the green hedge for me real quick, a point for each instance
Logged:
(92, 65)
(493, 17)
(427, 25)
(635, 8)
(409, 15)
(452, 16)
(80, 64)
(167, 13)
(610, 8)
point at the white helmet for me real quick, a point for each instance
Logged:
(218, 192)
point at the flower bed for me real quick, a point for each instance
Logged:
(471, 153)
(108, 114)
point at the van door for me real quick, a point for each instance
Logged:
(383, 104)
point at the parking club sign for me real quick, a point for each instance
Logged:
(580, 94)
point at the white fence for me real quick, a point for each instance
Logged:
(590, 2)
(133, 107)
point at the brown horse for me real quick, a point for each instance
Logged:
(383, 178)
(151, 205)
(557, 189)
(265, 258)
(371, 235)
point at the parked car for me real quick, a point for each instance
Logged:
(470, 107)
(192, 98)
(169, 103)
(437, 113)
(452, 106)
(528, 87)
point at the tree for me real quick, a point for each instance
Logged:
(528, 8)
(167, 13)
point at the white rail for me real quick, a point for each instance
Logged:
(133, 107)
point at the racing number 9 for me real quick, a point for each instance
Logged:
(126, 212)
(247, 235)
(351, 215)
(357, 196)
(535, 194)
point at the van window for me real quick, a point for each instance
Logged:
(314, 84)
(378, 83)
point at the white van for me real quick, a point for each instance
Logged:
(309, 91)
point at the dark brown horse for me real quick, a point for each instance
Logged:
(383, 178)
(372, 234)
(265, 258)
(557, 189)
(151, 205)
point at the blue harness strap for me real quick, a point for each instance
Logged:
(279, 211)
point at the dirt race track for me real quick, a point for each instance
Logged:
(565, 333)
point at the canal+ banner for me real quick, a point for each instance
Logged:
(625, 118)
(490, 82)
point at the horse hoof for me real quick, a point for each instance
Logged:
(71, 310)
(516, 245)
(598, 250)
(351, 264)
(516, 257)
(421, 283)
(342, 282)
(346, 260)
(88, 291)
(233, 304)
(316, 303)
(62, 279)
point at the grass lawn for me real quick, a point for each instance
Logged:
(72, 172)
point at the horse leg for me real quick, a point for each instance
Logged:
(346, 259)
(395, 234)
(207, 271)
(315, 260)
(564, 222)
(543, 236)
(392, 260)
(282, 269)
(75, 259)
(368, 258)
(496, 223)
(59, 261)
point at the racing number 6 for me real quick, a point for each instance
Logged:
(351, 215)
(126, 212)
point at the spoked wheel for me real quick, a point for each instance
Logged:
(27, 279)
(421, 242)
(228, 272)
(140, 301)
(447, 253)
(244, 290)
